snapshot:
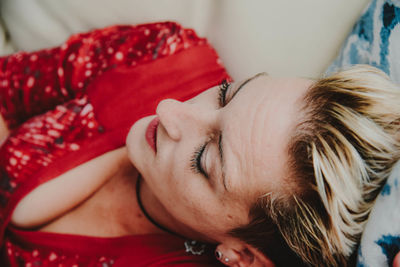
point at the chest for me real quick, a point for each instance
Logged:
(105, 212)
(97, 198)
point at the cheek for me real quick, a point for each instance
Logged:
(184, 187)
(186, 195)
(170, 178)
(174, 160)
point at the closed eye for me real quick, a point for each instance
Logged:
(196, 161)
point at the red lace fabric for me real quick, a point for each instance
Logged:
(69, 104)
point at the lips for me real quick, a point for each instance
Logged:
(151, 133)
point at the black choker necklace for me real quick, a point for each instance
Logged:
(191, 246)
(145, 212)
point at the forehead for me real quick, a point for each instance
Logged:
(257, 128)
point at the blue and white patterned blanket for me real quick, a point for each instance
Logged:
(381, 239)
(375, 40)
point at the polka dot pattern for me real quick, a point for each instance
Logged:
(47, 137)
(40, 257)
(32, 83)
(43, 100)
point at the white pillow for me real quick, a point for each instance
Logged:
(5, 45)
(280, 37)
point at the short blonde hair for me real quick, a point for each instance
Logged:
(340, 155)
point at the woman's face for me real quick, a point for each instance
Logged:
(216, 153)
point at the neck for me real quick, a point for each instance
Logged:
(143, 209)
(160, 217)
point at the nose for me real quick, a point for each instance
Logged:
(177, 117)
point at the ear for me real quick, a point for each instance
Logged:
(234, 252)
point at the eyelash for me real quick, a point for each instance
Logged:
(223, 89)
(196, 160)
(196, 157)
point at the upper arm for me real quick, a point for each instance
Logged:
(59, 195)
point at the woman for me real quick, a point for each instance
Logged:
(267, 169)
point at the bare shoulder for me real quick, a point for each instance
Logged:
(59, 195)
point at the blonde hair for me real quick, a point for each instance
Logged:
(340, 155)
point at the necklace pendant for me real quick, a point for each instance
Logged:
(194, 247)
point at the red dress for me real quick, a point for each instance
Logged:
(72, 103)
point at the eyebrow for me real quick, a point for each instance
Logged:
(220, 143)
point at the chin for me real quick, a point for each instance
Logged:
(136, 143)
(135, 139)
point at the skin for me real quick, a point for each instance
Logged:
(255, 126)
(4, 131)
(396, 261)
